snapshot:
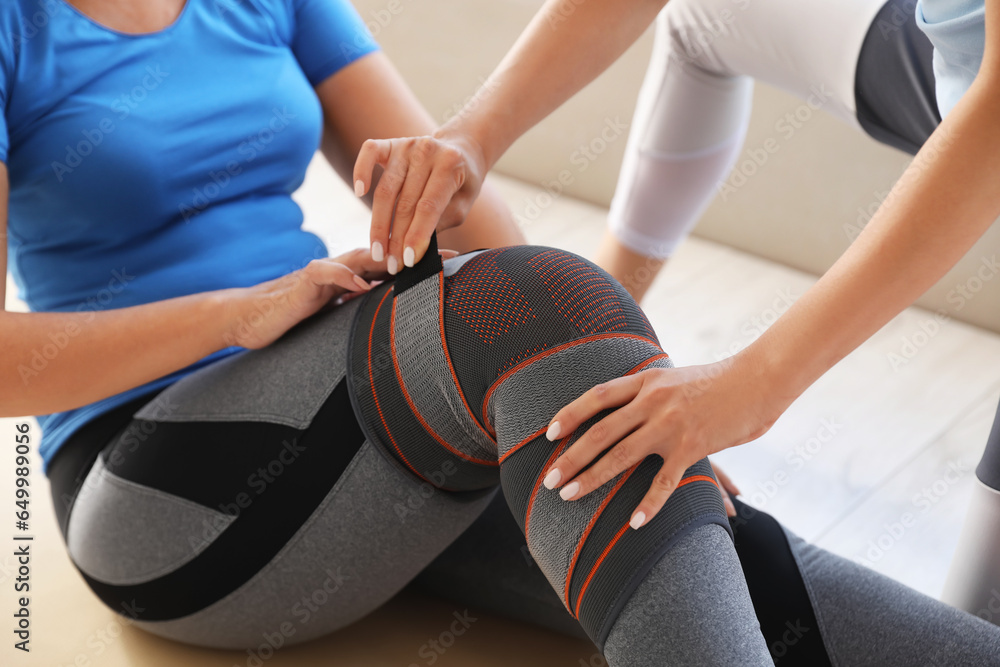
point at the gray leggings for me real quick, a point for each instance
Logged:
(246, 506)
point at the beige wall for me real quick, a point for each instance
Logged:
(799, 207)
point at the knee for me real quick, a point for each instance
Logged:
(424, 358)
(688, 29)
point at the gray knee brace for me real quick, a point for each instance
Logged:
(455, 374)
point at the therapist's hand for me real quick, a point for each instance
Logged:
(427, 183)
(681, 414)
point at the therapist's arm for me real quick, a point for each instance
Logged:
(368, 99)
(566, 45)
(944, 202)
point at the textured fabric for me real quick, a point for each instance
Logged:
(489, 568)
(868, 620)
(419, 346)
(331, 573)
(692, 112)
(860, 606)
(895, 84)
(291, 501)
(387, 414)
(137, 162)
(70, 466)
(554, 533)
(957, 28)
(291, 474)
(118, 547)
(557, 319)
(293, 564)
(704, 615)
(583, 329)
(543, 383)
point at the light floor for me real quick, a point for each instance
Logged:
(869, 444)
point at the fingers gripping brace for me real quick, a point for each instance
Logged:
(456, 371)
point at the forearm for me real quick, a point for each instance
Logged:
(941, 205)
(565, 47)
(59, 361)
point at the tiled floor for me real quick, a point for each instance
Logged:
(873, 441)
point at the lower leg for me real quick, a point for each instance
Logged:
(693, 608)
(973, 582)
(869, 620)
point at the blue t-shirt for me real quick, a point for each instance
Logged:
(957, 29)
(145, 167)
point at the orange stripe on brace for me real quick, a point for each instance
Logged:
(646, 363)
(589, 528)
(518, 446)
(447, 356)
(538, 484)
(618, 536)
(611, 494)
(697, 478)
(375, 393)
(607, 549)
(413, 408)
(542, 355)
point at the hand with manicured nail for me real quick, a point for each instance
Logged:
(427, 183)
(264, 312)
(680, 414)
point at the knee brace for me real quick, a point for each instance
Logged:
(455, 373)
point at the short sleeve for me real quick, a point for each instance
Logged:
(6, 81)
(4, 136)
(329, 35)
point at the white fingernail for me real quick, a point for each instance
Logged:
(359, 188)
(552, 479)
(392, 265)
(569, 490)
(555, 428)
(638, 519)
(377, 254)
(408, 256)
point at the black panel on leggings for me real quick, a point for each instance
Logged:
(489, 568)
(264, 526)
(72, 462)
(988, 470)
(894, 82)
(779, 595)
